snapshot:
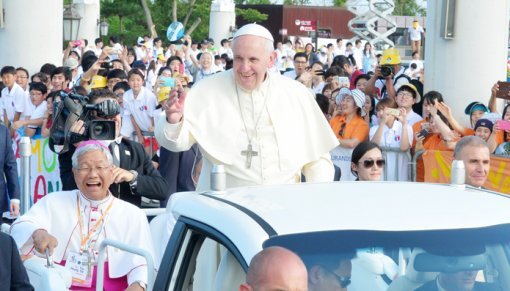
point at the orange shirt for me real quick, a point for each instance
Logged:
(356, 128)
(468, 131)
(500, 137)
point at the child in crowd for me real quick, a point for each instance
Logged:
(36, 110)
(483, 129)
(139, 104)
(13, 98)
(126, 129)
(407, 96)
(393, 131)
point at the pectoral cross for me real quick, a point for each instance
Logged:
(249, 153)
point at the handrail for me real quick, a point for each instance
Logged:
(125, 247)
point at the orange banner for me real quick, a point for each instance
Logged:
(438, 165)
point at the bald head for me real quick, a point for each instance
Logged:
(276, 268)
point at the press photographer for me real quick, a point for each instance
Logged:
(74, 107)
(134, 174)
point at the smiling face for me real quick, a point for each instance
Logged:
(477, 164)
(348, 105)
(475, 115)
(483, 132)
(252, 59)
(206, 61)
(93, 175)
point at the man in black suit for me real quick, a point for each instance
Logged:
(134, 174)
(9, 174)
(13, 275)
(459, 281)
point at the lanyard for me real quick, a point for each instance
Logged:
(83, 240)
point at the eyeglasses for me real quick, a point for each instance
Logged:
(300, 62)
(370, 163)
(343, 281)
(99, 169)
(405, 94)
(342, 129)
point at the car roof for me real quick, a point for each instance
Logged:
(256, 213)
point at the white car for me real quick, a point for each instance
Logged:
(363, 235)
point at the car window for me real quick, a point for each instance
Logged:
(200, 263)
(398, 261)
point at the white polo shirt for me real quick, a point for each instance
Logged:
(13, 101)
(36, 112)
(141, 108)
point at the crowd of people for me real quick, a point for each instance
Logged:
(182, 108)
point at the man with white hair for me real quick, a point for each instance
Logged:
(265, 128)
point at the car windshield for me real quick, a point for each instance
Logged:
(462, 259)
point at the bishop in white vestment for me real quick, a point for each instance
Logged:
(74, 223)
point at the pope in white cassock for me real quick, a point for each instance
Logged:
(72, 224)
(263, 127)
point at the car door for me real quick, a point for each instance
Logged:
(199, 257)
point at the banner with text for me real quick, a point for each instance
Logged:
(44, 168)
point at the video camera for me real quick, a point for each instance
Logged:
(386, 70)
(73, 107)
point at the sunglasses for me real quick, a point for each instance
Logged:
(342, 129)
(370, 163)
(343, 281)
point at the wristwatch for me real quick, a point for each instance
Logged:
(142, 284)
(134, 182)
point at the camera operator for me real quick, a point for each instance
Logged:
(134, 174)
(389, 75)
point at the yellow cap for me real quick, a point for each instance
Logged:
(163, 93)
(98, 82)
(161, 57)
(390, 57)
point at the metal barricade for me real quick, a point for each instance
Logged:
(25, 150)
(149, 134)
(416, 156)
(385, 151)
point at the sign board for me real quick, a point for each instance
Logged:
(306, 25)
(324, 33)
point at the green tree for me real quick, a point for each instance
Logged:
(408, 8)
(339, 3)
(297, 2)
(251, 15)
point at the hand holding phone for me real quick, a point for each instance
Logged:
(392, 111)
(503, 90)
(181, 69)
(423, 133)
(168, 82)
(503, 125)
(344, 82)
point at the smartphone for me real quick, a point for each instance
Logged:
(504, 88)
(168, 82)
(423, 133)
(344, 82)
(76, 43)
(503, 124)
(393, 111)
(181, 69)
